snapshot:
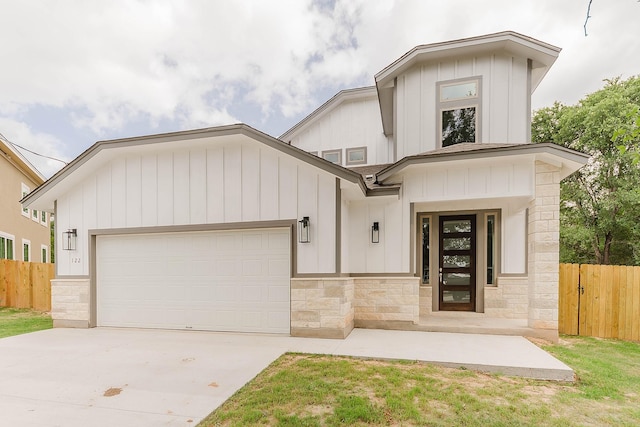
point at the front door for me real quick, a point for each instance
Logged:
(457, 263)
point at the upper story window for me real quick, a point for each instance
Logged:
(334, 156)
(25, 191)
(459, 111)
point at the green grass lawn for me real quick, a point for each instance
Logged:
(309, 390)
(16, 321)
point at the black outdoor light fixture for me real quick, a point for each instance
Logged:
(375, 232)
(69, 238)
(303, 230)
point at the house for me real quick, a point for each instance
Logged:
(419, 199)
(24, 232)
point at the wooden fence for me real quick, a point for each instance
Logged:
(599, 301)
(26, 284)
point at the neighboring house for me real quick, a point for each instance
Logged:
(387, 207)
(24, 232)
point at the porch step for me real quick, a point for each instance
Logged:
(478, 323)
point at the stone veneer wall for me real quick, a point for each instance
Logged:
(426, 300)
(381, 301)
(70, 303)
(508, 299)
(322, 307)
(544, 247)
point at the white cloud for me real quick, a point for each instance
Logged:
(203, 63)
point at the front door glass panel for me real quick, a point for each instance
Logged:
(457, 256)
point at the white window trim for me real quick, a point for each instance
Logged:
(45, 218)
(46, 253)
(35, 215)
(339, 152)
(28, 243)
(357, 162)
(25, 211)
(459, 103)
(13, 239)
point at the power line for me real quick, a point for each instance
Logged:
(32, 152)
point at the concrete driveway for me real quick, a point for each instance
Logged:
(132, 377)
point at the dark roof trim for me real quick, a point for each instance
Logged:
(235, 129)
(387, 190)
(433, 157)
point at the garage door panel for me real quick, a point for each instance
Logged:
(225, 281)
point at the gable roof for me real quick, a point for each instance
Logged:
(44, 196)
(336, 100)
(542, 56)
(570, 160)
(9, 152)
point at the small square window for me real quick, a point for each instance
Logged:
(458, 125)
(334, 156)
(357, 156)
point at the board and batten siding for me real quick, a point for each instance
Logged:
(221, 183)
(349, 125)
(390, 255)
(504, 112)
(507, 186)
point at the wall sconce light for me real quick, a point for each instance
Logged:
(375, 232)
(303, 230)
(69, 238)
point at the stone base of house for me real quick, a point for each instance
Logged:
(331, 307)
(80, 324)
(509, 299)
(322, 307)
(70, 303)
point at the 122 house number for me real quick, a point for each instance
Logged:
(75, 260)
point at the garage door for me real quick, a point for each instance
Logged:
(214, 280)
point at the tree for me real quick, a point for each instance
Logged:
(599, 204)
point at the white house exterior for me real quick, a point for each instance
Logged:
(422, 196)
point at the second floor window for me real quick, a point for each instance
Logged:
(458, 108)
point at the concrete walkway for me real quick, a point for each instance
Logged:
(133, 377)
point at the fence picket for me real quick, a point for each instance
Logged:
(26, 284)
(609, 306)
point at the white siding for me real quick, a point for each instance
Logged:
(386, 256)
(504, 109)
(505, 185)
(220, 183)
(514, 241)
(348, 125)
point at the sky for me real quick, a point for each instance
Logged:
(73, 72)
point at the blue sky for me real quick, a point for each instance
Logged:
(75, 72)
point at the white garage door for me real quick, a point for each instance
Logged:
(214, 280)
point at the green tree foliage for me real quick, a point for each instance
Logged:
(599, 204)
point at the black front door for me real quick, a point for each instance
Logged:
(457, 263)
